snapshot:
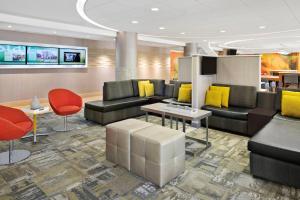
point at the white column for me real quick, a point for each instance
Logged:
(126, 55)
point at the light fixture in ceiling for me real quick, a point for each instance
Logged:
(155, 9)
(54, 32)
(9, 26)
(162, 28)
(262, 27)
(222, 31)
(134, 22)
(182, 33)
(204, 40)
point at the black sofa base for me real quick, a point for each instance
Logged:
(227, 124)
(275, 170)
(105, 118)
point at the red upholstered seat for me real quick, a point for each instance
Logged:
(64, 102)
(14, 123)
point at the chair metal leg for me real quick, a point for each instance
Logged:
(65, 126)
(13, 156)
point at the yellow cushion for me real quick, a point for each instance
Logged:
(149, 89)
(225, 94)
(291, 93)
(185, 95)
(186, 85)
(141, 85)
(290, 105)
(213, 98)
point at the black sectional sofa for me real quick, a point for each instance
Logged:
(275, 150)
(241, 115)
(121, 100)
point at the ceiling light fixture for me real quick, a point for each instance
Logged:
(222, 31)
(9, 26)
(54, 32)
(204, 40)
(155, 9)
(182, 33)
(134, 22)
(262, 27)
(162, 28)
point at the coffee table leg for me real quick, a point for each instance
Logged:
(34, 127)
(176, 123)
(163, 119)
(171, 122)
(206, 122)
(146, 116)
(183, 125)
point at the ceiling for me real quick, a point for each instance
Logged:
(248, 25)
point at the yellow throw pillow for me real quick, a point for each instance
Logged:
(149, 89)
(141, 85)
(290, 106)
(186, 85)
(185, 95)
(291, 93)
(225, 94)
(213, 98)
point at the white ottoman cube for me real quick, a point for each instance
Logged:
(118, 140)
(157, 153)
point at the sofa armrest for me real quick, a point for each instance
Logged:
(266, 100)
(258, 118)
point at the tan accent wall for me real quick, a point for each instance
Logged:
(23, 84)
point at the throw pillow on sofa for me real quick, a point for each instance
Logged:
(141, 85)
(290, 104)
(185, 95)
(225, 94)
(149, 89)
(213, 98)
(186, 85)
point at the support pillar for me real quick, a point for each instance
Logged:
(126, 56)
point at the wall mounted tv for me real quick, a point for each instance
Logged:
(72, 56)
(208, 65)
(12, 54)
(37, 55)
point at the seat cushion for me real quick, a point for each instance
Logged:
(279, 139)
(106, 106)
(68, 110)
(26, 126)
(231, 112)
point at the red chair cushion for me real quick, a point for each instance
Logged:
(67, 110)
(25, 126)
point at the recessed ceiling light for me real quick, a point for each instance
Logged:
(162, 28)
(222, 31)
(182, 33)
(9, 26)
(134, 22)
(54, 32)
(262, 27)
(204, 40)
(155, 9)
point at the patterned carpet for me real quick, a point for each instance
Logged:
(72, 165)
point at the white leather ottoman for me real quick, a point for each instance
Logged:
(118, 140)
(157, 153)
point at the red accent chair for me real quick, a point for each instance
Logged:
(64, 102)
(14, 124)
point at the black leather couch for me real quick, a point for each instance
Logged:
(275, 150)
(121, 100)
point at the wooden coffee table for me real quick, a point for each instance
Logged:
(180, 112)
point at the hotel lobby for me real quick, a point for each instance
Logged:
(193, 100)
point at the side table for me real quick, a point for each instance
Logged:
(35, 113)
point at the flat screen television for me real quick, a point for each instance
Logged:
(37, 55)
(12, 54)
(208, 65)
(72, 56)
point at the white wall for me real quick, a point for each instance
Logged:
(185, 68)
(239, 70)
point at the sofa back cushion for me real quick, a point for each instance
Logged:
(117, 90)
(241, 96)
(159, 86)
(279, 97)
